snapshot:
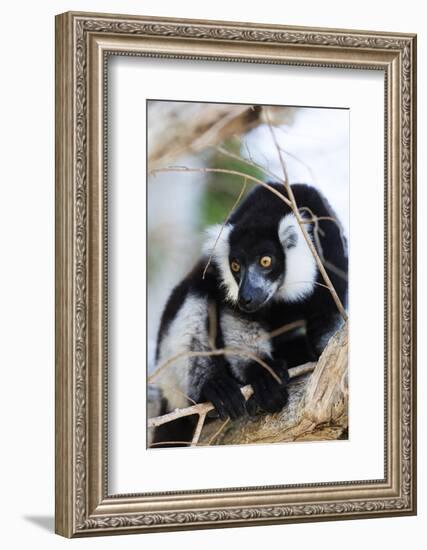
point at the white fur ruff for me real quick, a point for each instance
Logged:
(221, 251)
(301, 270)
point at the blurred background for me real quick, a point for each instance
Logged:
(314, 143)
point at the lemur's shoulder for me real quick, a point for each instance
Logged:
(198, 282)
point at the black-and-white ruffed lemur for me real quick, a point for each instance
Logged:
(261, 277)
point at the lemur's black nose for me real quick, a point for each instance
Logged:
(249, 303)
(245, 300)
(250, 297)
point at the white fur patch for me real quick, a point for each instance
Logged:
(189, 325)
(246, 335)
(301, 270)
(221, 251)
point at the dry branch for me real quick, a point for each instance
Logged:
(223, 171)
(203, 408)
(178, 128)
(249, 162)
(317, 408)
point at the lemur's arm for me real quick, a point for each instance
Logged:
(218, 384)
(185, 328)
(217, 380)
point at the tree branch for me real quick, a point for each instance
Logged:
(222, 171)
(317, 407)
(202, 409)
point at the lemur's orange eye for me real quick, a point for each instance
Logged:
(265, 261)
(235, 266)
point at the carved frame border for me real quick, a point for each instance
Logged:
(83, 43)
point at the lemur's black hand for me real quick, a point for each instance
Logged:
(268, 393)
(224, 393)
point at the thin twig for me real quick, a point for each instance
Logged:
(214, 352)
(250, 162)
(266, 160)
(198, 430)
(281, 159)
(223, 171)
(278, 331)
(295, 157)
(220, 429)
(176, 390)
(315, 220)
(320, 218)
(335, 269)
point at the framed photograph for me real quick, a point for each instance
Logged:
(235, 274)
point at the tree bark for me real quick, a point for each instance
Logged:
(317, 408)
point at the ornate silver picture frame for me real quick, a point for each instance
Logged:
(84, 43)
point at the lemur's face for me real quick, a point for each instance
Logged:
(256, 261)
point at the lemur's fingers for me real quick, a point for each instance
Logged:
(232, 397)
(263, 394)
(251, 406)
(271, 397)
(268, 393)
(277, 399)
(225, 395)
(210, 393)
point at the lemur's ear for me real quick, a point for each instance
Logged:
(216, 240)
(301, 270)
(288, 232)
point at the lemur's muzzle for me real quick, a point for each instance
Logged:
(252, 292)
